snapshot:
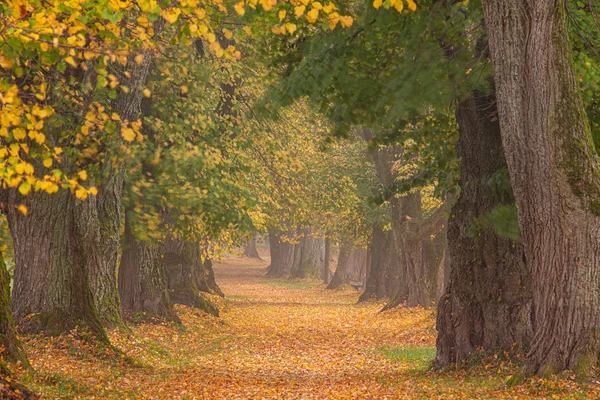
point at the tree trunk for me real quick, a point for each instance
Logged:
(51, 277)
(340, 274)
(209, 278)
(142, 278)
(282, 253)
(250, 250)
(382, 266)
(326, 274)
(487, 302)
(183, 266)
(309, 259)
(554, 173)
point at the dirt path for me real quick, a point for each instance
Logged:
(276, 339)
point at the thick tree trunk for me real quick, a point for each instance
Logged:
(554, 173)
(382, 266)
(309, 258)
(282, 253)
(142, 278)
(51, 277)
(250, 250)
(351, 269)
(183, 266)
(340, 275)
(487, 303)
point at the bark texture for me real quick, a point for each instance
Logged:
(51, 277)
(142, 278)
(487, 303)
(550, 157)
(184, 271)
(282, 253)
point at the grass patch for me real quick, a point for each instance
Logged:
(295, 284)
(420, 358)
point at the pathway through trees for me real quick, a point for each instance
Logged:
(276, 339)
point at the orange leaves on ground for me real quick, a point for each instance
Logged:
(277, 339)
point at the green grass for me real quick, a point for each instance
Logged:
(419, 358)
(295, 284)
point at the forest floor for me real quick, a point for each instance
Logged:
(276, 339)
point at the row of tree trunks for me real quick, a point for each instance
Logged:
(487, 303)
(419, 279)
(296, 254)
(351, 268)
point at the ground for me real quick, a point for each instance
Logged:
(276, 339)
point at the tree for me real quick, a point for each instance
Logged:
(487, 302)
(550, 157)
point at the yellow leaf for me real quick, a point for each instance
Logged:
(22, 208)
(411, 5)
(228, 34)
(81, 193)
(239, 8)
(71, 61)
(83, 175)
(312, 16)
(399, 5)
(316, 5)
(347, 21)
(24, 188)
(299, 11)
(6, 63)
(184, 89)
(93, 191)
(282, 14)
(139, 59)
(128, 134)
(47, 162)
(146, 92)
(291, 28)
(377, 3)
(329, 7)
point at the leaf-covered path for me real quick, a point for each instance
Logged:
(276, 339)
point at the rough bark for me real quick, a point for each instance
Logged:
(250, 250)
(142, 278)
(183, 266)
(554, 174)
(309, 257)
(282, 253)
(51, 277)
(487, 302)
